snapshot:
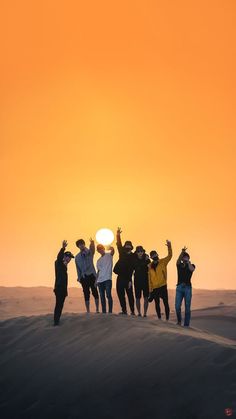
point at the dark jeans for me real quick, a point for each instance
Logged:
(183, 292)
(122, 286)
(162, 293)
(105, 287)
(88, 284)
(60, 298)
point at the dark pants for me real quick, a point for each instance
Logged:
(122, 286)
(60, 298)
(88, 284)
(183, 292)
(161, 293)
(105, 287)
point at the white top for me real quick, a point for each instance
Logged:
(104, 267)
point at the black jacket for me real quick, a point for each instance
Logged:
(124, 267)
(141, 268)
(61, 276)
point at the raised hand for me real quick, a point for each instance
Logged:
(64, 244)
(168, 243)
(119, 231)
(184, 249)
(91, 240)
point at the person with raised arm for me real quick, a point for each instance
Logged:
(185, 270)
(104, 276)
(124, 270)
(157, 273)
(86, 272)
(61, 280)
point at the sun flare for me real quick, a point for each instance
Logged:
(104, 236)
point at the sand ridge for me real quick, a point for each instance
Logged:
(110, 366)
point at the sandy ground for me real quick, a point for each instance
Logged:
(20, 301)
(110, 366)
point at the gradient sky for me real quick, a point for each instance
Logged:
(118, 113)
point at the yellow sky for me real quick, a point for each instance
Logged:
(118, 113)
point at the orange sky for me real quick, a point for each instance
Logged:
(118, 113)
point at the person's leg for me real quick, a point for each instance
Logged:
(85, 286)
(130, 295)
(94, 290)
(164, 294)
(120, 288)
(137, 291)
(157, 303)
(145, 307)
(187, 300)
(60, 298)
(145, 297)
(178, 302)
(102, 287)
(108, 286)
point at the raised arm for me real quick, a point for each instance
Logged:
(118, 240)
(169, 256)
(62, 251)
(181, 255)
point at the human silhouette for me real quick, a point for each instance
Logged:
(86, 272)
(124, 270)
(157, 272)
(104, 276)
(141, 262)
(185, 270)
(61, 280)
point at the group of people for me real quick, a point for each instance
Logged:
(149, 272)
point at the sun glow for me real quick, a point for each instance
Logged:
(104, 236)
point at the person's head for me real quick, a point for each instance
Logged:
(185, 257)
(67, 257)
(128, 247)
(101, 249)
(154, 256)
(80, 244)
(140, 251)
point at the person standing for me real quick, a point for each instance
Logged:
(86, 272)
(185, 270)
(104, 276)
(61, 280)
(124, 271)
(157, 273)
(141, 262)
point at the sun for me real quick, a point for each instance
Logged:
(104, 236)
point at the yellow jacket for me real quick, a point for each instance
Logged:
(158, 277)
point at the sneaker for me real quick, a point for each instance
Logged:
(123, 312)
(139, 315)
(178, 324)
(144, 315)
(132, 313)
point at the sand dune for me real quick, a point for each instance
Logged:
(108, 366)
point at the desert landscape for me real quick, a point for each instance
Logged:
(108, 366)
